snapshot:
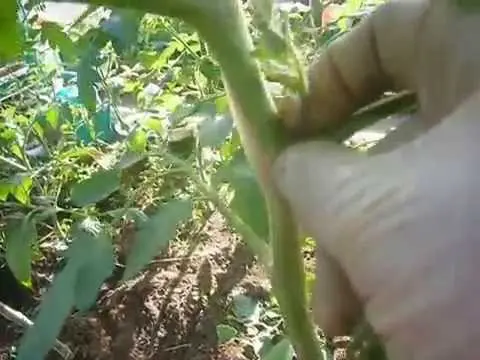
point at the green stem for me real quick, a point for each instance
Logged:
(223, 25)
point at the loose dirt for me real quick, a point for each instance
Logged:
(170, 311)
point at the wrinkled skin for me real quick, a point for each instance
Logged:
(398, 233)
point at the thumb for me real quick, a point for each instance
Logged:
(307, 175)
(311, 176)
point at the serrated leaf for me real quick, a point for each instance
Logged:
(96, 188)
(225, 333)
(155, 234)
(11, 39)
(19, 240)
(281, 351)
(95, 255)
(55, 307)
(213, 131)
(57, 38)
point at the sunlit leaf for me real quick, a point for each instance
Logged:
(19, 239)
(155, 234)
(52, 116)
(21, 187)
(281, 351)
(137, 142)
(11, 39)
(57, 38)
(225, 333)
(96, 188)
(5, 188)
(95, 255)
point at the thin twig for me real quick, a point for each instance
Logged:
(24, 322)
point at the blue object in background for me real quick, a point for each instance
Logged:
(102, 128)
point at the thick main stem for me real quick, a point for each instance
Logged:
(254, 114)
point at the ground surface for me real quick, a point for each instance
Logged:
(171, 310)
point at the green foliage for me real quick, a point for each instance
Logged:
(11, 39)
(89, 263)
(155, 233)
(281, 351)
(57, 38)
(20, 238)
(96, 188)
(225, 333)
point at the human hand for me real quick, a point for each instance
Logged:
(398, 233)
(425, 46)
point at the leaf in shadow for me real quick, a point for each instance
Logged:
(155, 234)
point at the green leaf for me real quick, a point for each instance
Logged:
(21, 185)
(225, 333)
(468, 5)
(155, 234)
(5, 188)
(137, 142)
(281, 351)
(209, 69)
(53, 116)
(11, 39)
(19, 240)
(57, 38)
(213, 131)
(96, 188)
(130, 214)
(55, 307)
(248, 201)
(95, 255)
(87, 76)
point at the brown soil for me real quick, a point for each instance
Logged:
(171, 310)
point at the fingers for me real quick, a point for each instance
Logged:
(307, 181)
(378, 55)
(336, 306)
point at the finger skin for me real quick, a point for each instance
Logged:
(404, 227)
(336, 306)
(378, 55)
